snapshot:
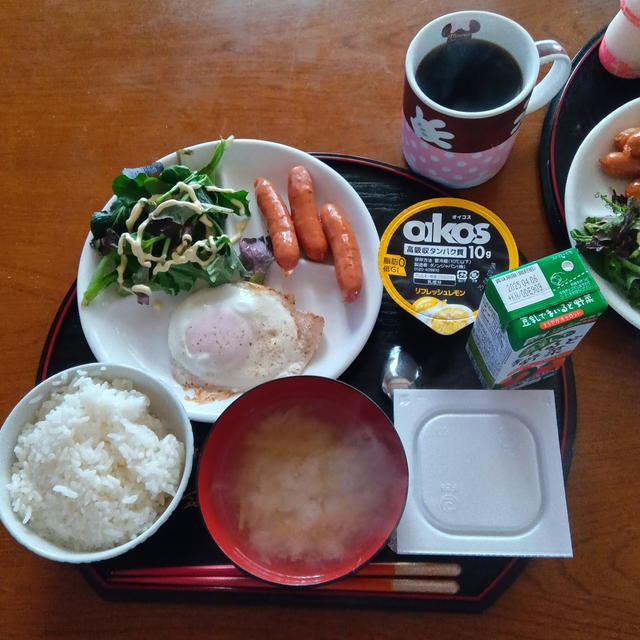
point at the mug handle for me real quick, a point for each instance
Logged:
(546, 89)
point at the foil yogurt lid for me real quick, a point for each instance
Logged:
(436, 256)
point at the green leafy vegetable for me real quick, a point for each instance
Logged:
(612, 244)
(104, 276)
(165, 230)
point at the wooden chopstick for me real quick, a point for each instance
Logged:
(412, 569)
(351, 584)
(377, 569)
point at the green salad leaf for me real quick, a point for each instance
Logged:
(611, 244)
(165, 231)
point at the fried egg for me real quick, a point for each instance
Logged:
(230, 338)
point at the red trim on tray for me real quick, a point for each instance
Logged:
(107, 585)
(552, 143)
(55, 330)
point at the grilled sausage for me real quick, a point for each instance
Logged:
(621, 164)
(621, 138)
(346, 254)
(286, 250)
(305, 214)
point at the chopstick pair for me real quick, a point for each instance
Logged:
(408, 577)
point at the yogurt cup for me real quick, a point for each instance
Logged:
(436, 256)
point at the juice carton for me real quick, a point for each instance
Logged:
(531, 318)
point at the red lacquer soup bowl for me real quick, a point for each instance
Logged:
(302, 480)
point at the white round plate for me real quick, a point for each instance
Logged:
(120, 330)
(586, 179)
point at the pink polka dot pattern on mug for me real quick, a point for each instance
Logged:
(458, 170)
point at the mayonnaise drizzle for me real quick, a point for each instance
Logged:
(185, 251)
(239, 205)
(190, 189)
(189, 254)
(212, 187)
(141, 288)
(135, 213)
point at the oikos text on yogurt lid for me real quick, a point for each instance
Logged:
(436, 256)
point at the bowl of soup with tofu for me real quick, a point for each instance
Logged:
(302, 480)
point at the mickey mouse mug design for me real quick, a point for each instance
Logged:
(462, 149)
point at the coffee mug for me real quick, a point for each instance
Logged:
(470, 78)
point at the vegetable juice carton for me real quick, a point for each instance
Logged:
(531, 318)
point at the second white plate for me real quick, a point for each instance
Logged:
(586, 179)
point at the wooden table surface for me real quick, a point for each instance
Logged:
(89, 87)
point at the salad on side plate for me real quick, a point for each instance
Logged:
(611, 243)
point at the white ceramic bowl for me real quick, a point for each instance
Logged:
(164, 405)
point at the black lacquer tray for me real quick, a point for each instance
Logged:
(184, 541)
(591, 94)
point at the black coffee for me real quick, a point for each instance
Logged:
(467, 74)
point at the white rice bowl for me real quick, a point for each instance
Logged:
(92, 462)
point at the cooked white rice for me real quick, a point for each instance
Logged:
(96, 469)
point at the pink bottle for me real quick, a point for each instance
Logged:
(620, 48)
